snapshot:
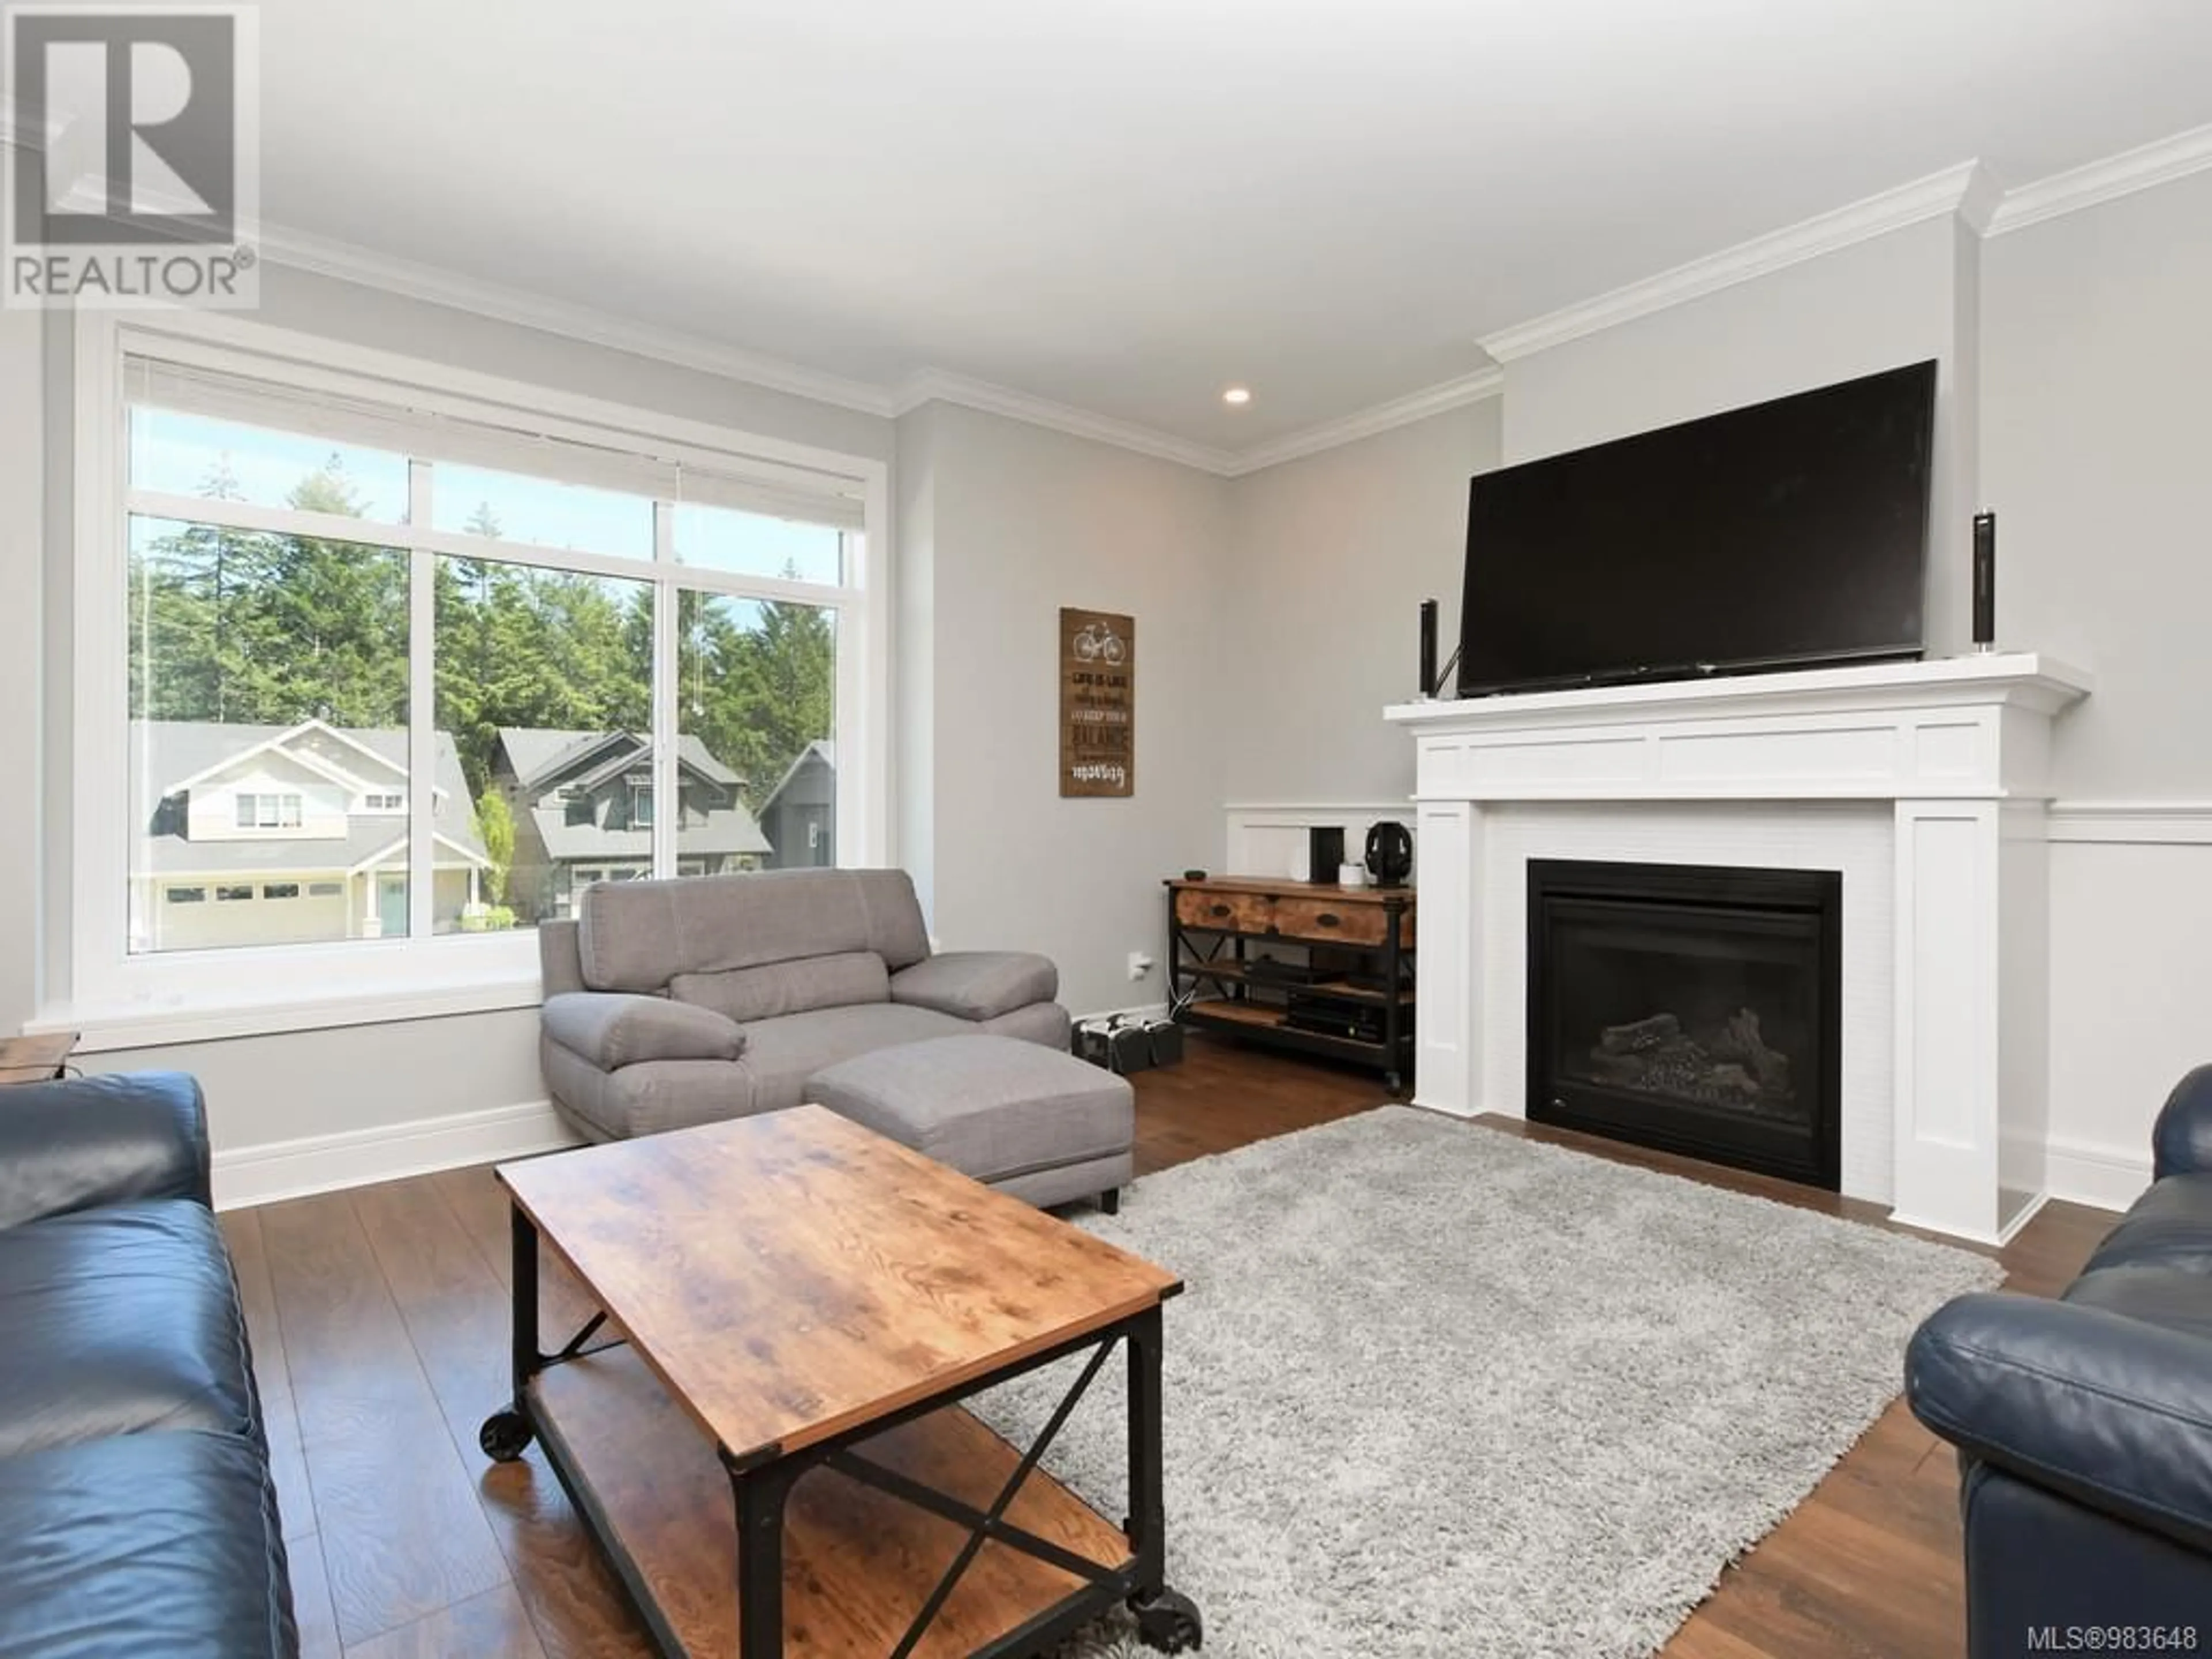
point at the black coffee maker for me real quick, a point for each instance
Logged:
(1389, 854)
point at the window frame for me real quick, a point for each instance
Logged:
(246, 817)
(116, 999)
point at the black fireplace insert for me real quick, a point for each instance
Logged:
(1692, 1008)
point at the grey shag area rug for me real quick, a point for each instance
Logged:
(1433, 1390)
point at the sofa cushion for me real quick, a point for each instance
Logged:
(977, 985)
(78, 1142)
(990, 1106)
(1041, 1022)
(2170, 1223)
(120, 1320)
(639, 935)
(613, 1028)
(2180, 1298)
(648, 1098)
(796, 986)
(780, 1054)
(786, 1052)
(145, 1547)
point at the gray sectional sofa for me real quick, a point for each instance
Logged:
(675, 1003)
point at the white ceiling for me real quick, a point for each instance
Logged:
(1124, 205)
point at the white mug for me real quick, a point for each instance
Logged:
(1351, 875)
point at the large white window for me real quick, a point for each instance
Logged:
(426, 655)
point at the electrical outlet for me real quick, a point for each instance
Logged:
(1139, 964)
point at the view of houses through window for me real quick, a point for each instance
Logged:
(271, 754)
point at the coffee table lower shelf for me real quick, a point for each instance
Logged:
(858, 1563)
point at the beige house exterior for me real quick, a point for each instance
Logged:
(248, 835)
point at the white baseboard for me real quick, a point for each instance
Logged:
(1145, 1011)
(1443, 1110)
(248, 1176)
(2107, 1177)
(2028, 1212)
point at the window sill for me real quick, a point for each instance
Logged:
(151, 1023)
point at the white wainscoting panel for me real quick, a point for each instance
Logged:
(1447, 1016)
(2131, 983)
(1269, 839)
(2107, 1177)
(1948, 934)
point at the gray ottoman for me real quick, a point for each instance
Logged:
(1030, 1121)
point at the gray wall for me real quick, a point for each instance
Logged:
(1275, 617)
(2074, 357)
(297, 1086)
(2097, 356)
(389, 322)
(1895, 299)
(2096, 350)
(1007, 523)
(1329, 559)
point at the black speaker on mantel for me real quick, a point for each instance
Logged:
(1985, 581)
(1324, 853)
(1428, 649)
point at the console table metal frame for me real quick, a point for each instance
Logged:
(759, 1485)
(1200, 954)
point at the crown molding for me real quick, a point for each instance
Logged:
(1981, 200)
(939, 386)
(324, 257)
(1967, 191)
(1367, 423)
(1947, 192)
(2123, 175)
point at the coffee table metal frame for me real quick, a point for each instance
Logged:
(762, 1480)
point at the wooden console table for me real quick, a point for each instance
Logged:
(1343, 986)
(34, 1059)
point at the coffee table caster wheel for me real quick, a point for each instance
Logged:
(1168, 1620)
(506, 1436)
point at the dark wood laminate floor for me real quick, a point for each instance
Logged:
(380, 1328)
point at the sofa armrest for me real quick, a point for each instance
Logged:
(2114, 1413)
(977, 985)
(82, 1141)
(613, 1028)
(2181, 1142)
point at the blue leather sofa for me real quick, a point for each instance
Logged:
(2084, 1426)
(135, 1497)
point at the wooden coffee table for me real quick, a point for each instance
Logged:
(769, 1447)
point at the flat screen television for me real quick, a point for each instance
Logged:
(1787, 534)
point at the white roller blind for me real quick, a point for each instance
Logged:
(497, 438)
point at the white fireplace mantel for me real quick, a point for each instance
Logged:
(1930, 778)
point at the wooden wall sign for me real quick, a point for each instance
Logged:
(1097, 703)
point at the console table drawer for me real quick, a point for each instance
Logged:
(1329, 919)
(1235, 913)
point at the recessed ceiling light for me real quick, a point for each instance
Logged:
(1237, 395)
